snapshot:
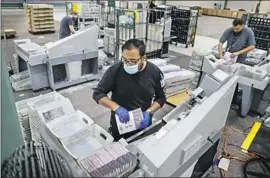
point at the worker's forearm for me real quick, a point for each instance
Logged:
(154, 107)
(220, 49)
(246, 50)
(108, 103)
(71, 27)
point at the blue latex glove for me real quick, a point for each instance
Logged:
(146, 121)
(122, 113)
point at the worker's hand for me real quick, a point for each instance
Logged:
(234, 54)
(122, 113)
(146, 120)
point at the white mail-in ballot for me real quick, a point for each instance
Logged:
(228, 56)
(135, 118)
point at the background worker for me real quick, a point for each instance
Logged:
(240, 40)
(67, 25)
(134, 83)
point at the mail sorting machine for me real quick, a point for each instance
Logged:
(254, 82)
(173, 146)
(54, 64)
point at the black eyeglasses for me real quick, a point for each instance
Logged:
(130, 62)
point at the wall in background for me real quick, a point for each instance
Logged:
(247, 5)
(205, 4)
(265, 6)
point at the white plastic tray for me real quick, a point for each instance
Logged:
(49, 112)
(33, 115)
(69, 124)
(86, 141)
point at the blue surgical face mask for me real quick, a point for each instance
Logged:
(131, 69)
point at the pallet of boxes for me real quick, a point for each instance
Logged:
(40, 18)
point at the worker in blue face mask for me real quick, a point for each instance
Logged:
(134, 83)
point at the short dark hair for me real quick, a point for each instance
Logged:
(237, 22)
(73, 13)
(135, 43)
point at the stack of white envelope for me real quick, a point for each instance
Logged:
(113, 160)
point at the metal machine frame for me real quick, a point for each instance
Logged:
(65, 60)
(40, 60)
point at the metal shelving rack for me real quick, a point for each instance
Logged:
(184, 25)
(158, 32)
(90, 12)
(134, 28)
(150, 25)
(260, 24)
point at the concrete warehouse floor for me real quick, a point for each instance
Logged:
(209, 29)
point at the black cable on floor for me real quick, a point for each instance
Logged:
(265, 162)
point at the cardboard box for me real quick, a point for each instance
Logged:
(234, 14)
(224, 13)
(214, 12)
(205, 11)
(240, 14)
(229, 14)
(210, 11)
(219, 13)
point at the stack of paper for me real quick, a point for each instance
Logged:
(257, 54)
(23, 84)
(197, 57)
(179, 81)
(228, 57)
(158, 62)
(111, 161)
(252, 61)
(20, 76)
(23, 117)
(135, 118)
(169, 68)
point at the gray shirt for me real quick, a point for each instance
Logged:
(238, 42)
(64, 27)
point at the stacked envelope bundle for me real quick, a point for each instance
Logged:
(23, 117)
(196, 64)
(255, 56)
(21, 81)
(113, 160)
(177, 80)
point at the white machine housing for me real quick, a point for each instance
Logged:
(83, 41)
(39, 60)
(177, 146)
(250, 78)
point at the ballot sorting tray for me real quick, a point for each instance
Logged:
(86, 141)
(69, 124)
(33, 115)
(51, 111)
